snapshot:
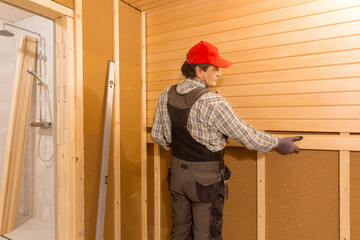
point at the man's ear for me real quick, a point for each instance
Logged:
(198, 72)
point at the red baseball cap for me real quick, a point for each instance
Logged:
(205, 52)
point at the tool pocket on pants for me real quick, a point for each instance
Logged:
(227, 174)
(169, 177)
(208, 186)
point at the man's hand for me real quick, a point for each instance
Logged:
(286, 145)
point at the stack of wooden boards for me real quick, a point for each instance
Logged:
(17, 131)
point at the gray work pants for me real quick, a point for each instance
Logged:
(197, 200)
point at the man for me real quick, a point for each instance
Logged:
(196, 122)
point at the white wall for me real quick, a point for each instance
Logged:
(7, 68)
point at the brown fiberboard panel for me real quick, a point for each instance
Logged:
(150, 190)
(354, 195)
(302, 197)
(97, 51)
(240, 208)
(130, 121)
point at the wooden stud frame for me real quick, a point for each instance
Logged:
(344, 186)
(143, 131)
(157, 193)
(261, 196)
(344, 143)
(116, 127)
(69, 113)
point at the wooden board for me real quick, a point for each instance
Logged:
(344, 187)
(116, 127)
(17, 131)
(144, 196)
(70, 209)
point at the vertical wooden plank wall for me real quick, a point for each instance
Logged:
(295, 68)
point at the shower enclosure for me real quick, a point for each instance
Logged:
(36, 207)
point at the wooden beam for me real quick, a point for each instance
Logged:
(316, 142)
(260, 196)
(143, 132)
(116, 127)
(344, 192)
(46, 8)
(64, 64)
(70, 197)
(157, 193)
(78, 126)
(322, 142)
(62, 145)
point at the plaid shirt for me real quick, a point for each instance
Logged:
(210, 118)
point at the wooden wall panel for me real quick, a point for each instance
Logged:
(97, 51)
(354, 195)
(302, 195)
(240, 209)
(130, 121)
(291, 60)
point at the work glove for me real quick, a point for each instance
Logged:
(286, 145)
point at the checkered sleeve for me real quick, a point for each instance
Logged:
(230, 124)
(161, 129)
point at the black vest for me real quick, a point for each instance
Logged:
(183, 145)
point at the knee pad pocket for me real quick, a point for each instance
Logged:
(216, 218)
